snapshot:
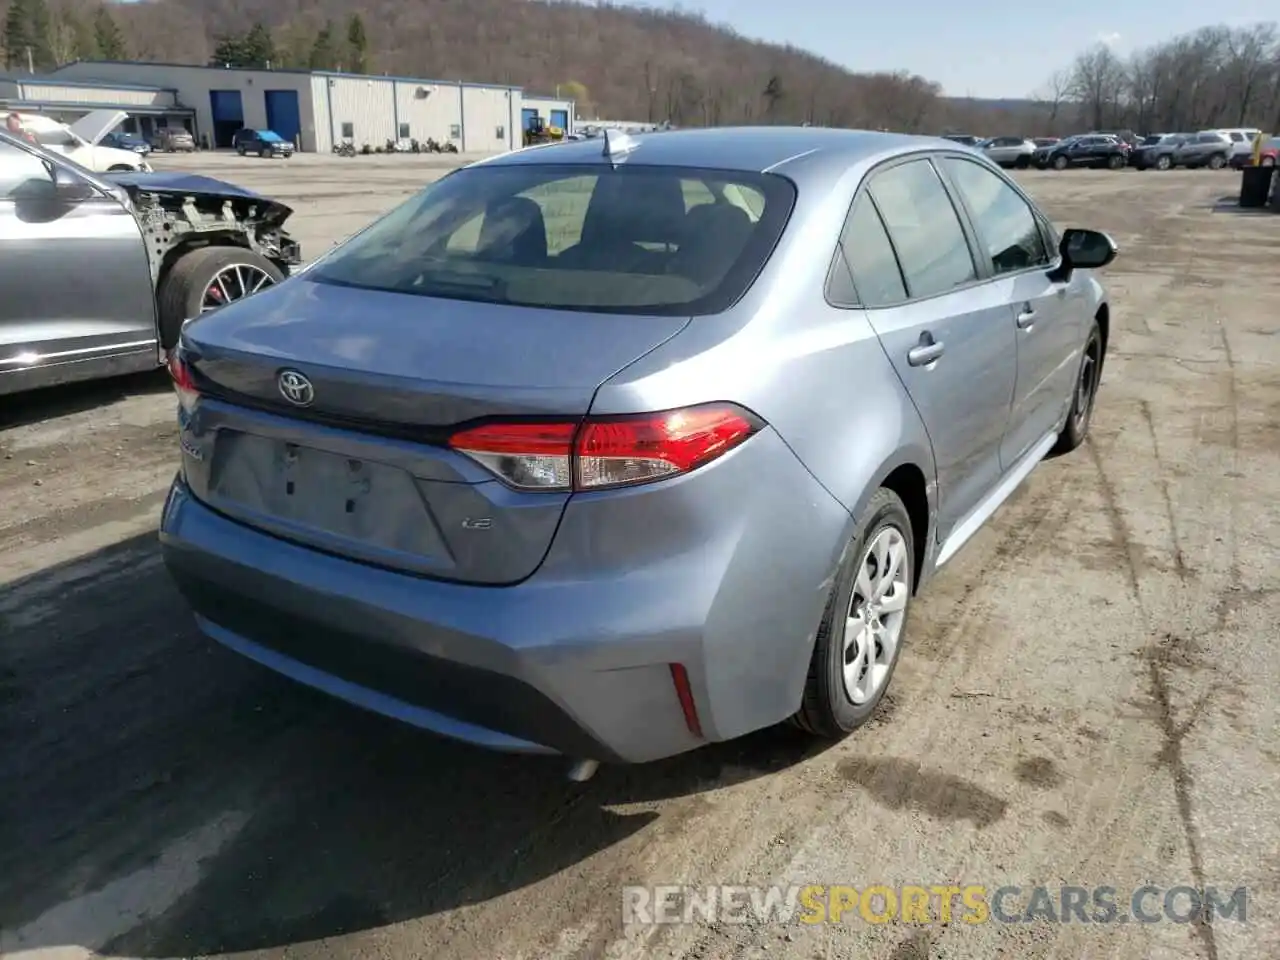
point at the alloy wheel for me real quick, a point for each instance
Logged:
(877, 611)
(233, 283)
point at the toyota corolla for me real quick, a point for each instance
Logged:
(614, 448)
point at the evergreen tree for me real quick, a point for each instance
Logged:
(39, 25)
(107, 37)
(84, 43)
(323, 52)
(228, 51)
(358, 44)
(17, 34)
(259, 49)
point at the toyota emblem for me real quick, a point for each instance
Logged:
(295, 388)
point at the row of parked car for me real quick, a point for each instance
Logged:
(1116, 149)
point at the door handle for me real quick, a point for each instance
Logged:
(928, 351)
(1026, 319)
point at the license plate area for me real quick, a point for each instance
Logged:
(323, 496)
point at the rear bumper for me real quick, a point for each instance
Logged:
(575, 660)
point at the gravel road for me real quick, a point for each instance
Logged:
(1088, 696)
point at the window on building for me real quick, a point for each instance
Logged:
(404, 131)
(501, 133)
(348, 131)
(455, 132)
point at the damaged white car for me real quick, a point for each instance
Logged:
(82, 141)
(101, 272)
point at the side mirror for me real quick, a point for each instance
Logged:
(68, 187)
(1084, 250)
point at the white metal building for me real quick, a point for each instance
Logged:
(69, 100)
(317, 109)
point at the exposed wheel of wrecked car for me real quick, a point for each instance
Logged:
(208, 278)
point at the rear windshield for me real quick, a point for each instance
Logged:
(636, 239)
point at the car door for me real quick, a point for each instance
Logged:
(73, 269)
(1012, 241)
(948, 334)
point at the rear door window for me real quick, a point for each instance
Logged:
(924, 227)
(664, 240)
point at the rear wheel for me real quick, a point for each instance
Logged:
(1217, 162)
(240, 150)
(1022, 162)
(208, 278)
(861, 634)
(1164, 163)
(1115, 162)
(1082, 400)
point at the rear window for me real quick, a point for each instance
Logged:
(636, 239)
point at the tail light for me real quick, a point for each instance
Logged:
(603, 452)
(184, 383)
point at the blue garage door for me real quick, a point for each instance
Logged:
(560, 118)
(283, 115)
(228, 115)
(226, 106)
(527, 116)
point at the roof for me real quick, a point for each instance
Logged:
(282, 70)
(51, 79)
(732, 148)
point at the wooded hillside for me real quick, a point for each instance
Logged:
(634, 63)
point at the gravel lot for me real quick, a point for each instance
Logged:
(1089, 694)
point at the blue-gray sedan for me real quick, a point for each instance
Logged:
(618, 447)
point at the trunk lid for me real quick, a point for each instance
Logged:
(362, 470)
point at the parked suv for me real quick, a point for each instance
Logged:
(265, 143)
(1093, 150)
(1010, 151)
(547, 486)
(1208, 148)
(1157, 150)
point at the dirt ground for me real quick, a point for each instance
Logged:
(1088, 696)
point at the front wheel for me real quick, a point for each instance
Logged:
(860, 637)
(208, 278)
(1059, 163)
(1082, 399)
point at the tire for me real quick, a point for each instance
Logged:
(1082, 403)
(1115, 162)
(1022, 163)
(1059, 162)
(1164, 163)
(1217, 162)
(265, 153)
(183, 288)
(827, 710)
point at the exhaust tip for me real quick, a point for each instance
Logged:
(583, 770)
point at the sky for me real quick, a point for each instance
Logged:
(977, 48)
